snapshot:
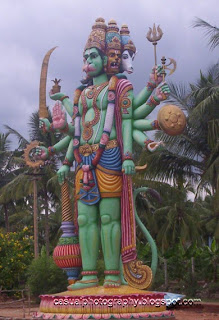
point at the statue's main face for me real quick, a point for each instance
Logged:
(127, 60)
(113, 62)
(93, 63)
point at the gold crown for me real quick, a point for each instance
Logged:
(127, 43)
(124, 30)
(113, 40)
(97, 36)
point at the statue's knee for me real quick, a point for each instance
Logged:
(82, 220)
(105, 219)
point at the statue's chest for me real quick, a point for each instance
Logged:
(93, 98)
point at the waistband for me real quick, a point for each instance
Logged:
(88, 149)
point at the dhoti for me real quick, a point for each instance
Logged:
(107, 176)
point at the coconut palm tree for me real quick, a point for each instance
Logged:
(211, 32)
(194, 154)
(22, 185)
(10, 166)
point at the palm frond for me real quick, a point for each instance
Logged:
(211, 32)
(21, 140)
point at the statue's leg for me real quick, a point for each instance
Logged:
(89, 239)
(111, 239)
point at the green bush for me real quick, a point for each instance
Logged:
(45, 277)
(15, 257)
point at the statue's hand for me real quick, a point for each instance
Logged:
(155, 146)
(156, 76)
(59, 118)
(162, 91)
(42, 153)
(63, 173)
(129, 167)
(44, 125)
(56, 96)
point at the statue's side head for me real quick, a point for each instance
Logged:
(94, 51)
(128, 50)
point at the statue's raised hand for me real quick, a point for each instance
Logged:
(42, 153)
(63, 173)
(44, 125)
(156, 76)
(162, 91)
(59, 118)
(128, 167)
(56, 96)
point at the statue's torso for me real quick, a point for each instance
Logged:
(101, 102)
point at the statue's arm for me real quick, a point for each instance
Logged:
(144, 141)
(146, 125)
(128, 164)
(66, 102)
(154, 80)
(161, 93)
(45, 153)
(63, 172)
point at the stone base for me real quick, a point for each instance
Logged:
(124, 302)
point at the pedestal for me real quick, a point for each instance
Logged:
(104, 303)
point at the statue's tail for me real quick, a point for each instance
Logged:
(146, 233)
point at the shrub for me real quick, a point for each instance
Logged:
(16, 253)
(45, 277)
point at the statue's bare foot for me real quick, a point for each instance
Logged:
(86, 282)
(112, 281)
(59, 119)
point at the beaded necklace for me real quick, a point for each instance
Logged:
(87, 169)
(87, 125)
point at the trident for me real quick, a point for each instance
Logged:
(154, 36)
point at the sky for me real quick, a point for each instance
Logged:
(29, 28)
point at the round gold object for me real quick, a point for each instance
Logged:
(171, 119)
(29, 159)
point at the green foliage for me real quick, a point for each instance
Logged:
(15, 257)
(45, 277)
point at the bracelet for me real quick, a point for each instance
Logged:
(88, 273)
(67, 162)
(111, 272)
(152, 102)
(51, 151)
(147, 141)
(52, 128)
(61, 99)
(155, 125)
(127, 156)
(150, 86)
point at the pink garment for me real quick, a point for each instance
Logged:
(128, 227)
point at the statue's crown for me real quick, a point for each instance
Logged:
(97, 36)
(127, 43)
(113, 40)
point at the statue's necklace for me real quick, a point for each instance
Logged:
(87, 125)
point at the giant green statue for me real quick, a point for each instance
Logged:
(106, 118)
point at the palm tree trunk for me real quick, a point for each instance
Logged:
(35, 218)
(193, 267)
(165, 273)
(6, 218)
(46, 221)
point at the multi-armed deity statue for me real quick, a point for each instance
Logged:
(106, 118)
